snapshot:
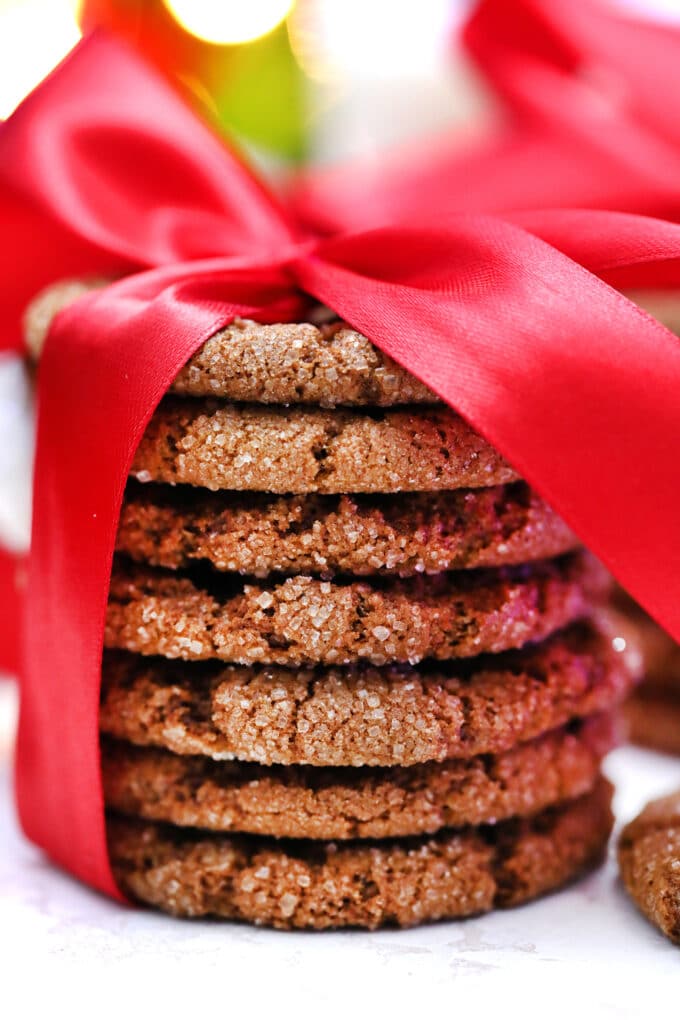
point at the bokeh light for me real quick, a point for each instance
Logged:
(34, 36)
(229, 21)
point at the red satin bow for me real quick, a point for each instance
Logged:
(575, 386)
(590, 104)
(560, 64)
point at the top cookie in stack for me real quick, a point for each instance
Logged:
(354, 672)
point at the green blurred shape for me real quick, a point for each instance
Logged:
(261, 96)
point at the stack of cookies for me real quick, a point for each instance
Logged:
(356, 673)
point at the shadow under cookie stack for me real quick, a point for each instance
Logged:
(356, 673)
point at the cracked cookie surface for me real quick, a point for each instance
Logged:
(306, 621)
(259, 534)
(307, 884)
(365, 715)
(316, 803)
(279, 449)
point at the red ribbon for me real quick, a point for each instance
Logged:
(10, 624)
(590, 121)
(575, 386)
(553, 63)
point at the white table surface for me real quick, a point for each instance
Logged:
(63, 946)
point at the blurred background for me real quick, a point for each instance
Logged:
(294, 80)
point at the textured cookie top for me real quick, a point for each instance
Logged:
(284, 363)
(278, 449)
(259, 534)
(322, 803)
(649, 858)
(363, 716)
(304, 620)
(298, 363)
(321, 885)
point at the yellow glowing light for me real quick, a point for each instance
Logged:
(34, 36)
(229, 21)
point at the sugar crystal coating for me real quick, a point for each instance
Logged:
(309, 621)
(363, 715)
(259, 534)
(649, 859)
(282, 363)
(315, 884)
(246, 447)
(316, 803)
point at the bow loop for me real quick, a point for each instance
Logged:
(110, 168)
(555, 63)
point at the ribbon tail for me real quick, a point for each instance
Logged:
(108, 360)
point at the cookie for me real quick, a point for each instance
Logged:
(363, 716)
(258, 534)
(653, 719)
(284, 363)
(661, 657)
(652, 713)
(649, 859)
(44, 307)
(306, 621)
(307, 884)
(305, 802)
(664, 305)
(279, 449)
(660, 653)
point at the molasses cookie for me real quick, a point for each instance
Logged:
(649, 859)
(306, 621)
(295, 449)
(653, 719)
(284, 363)
(363, 716)
(260, 534)
(308, 884)
(305, 802)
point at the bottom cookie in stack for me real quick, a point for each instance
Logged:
(368, 884)
(502, 801)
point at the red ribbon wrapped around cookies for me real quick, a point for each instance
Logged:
(516, 326)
